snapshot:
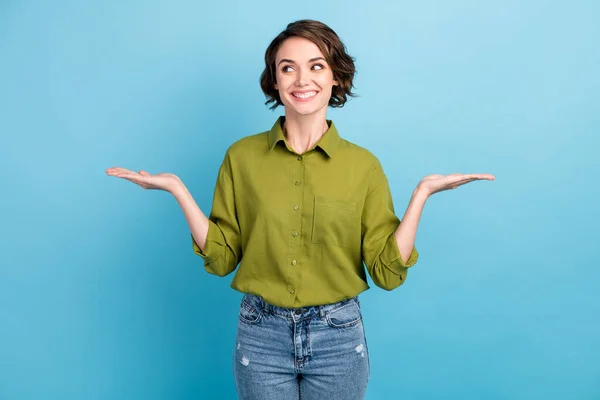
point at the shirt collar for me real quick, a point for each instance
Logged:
(329, 142)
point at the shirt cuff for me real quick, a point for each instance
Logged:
(212, 247)
(393, 260)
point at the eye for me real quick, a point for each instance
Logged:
(287, 68)
(318, 67)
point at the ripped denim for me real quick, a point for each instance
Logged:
(311, 353)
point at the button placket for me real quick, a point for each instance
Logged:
(295, 226)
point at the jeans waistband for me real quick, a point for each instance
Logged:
(258, 303)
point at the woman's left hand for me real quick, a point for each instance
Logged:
(437, 183)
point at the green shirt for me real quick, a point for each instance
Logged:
(301, 226)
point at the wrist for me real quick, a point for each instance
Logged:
(177, 189)
(421, 193)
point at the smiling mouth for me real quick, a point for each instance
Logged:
(304, 95)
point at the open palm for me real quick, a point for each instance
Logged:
(162, 181)
(437, 183)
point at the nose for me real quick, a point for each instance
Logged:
(302, 78)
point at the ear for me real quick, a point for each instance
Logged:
(275, 87)
(335, 82)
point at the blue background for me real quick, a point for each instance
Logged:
(101, 296)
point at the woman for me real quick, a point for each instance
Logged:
(300, 210)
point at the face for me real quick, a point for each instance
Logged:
(304, 79)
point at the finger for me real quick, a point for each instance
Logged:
(464, 181)
(468, 177)
(454, 184)
(453, 179)
(142, 172)
(488, 177)
(133, 177)
(118, 170)
(112, 172)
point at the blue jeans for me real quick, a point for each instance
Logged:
(310, 353)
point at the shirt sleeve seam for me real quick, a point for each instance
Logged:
(378, 187)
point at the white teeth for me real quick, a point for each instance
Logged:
(304, 95)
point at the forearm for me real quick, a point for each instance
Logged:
(197, 221)
(407, 231)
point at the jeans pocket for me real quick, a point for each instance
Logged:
(249, 314)
(344, 317)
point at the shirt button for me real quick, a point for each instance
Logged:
(291, 290)
(294, 262)
(296, 208)
(297, 183)
(299, 158)
(295, 234)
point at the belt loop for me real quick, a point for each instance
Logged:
(321, 311)
(264, 305)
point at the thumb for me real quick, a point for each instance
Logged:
(142, 172)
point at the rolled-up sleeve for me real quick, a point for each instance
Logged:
(222, 250)
(379, 247)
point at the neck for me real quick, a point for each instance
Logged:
(302, 132)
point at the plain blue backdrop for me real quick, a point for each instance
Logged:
(101, 296)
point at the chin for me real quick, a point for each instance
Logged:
(305, 110)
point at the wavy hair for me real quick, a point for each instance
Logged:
(334, 51)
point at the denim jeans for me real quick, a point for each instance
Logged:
(311, 353)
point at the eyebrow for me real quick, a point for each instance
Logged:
(292, 61)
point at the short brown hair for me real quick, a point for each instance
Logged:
(340, 62)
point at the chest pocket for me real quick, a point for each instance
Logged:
(335, 222)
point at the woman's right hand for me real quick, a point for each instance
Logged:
(163, 181)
